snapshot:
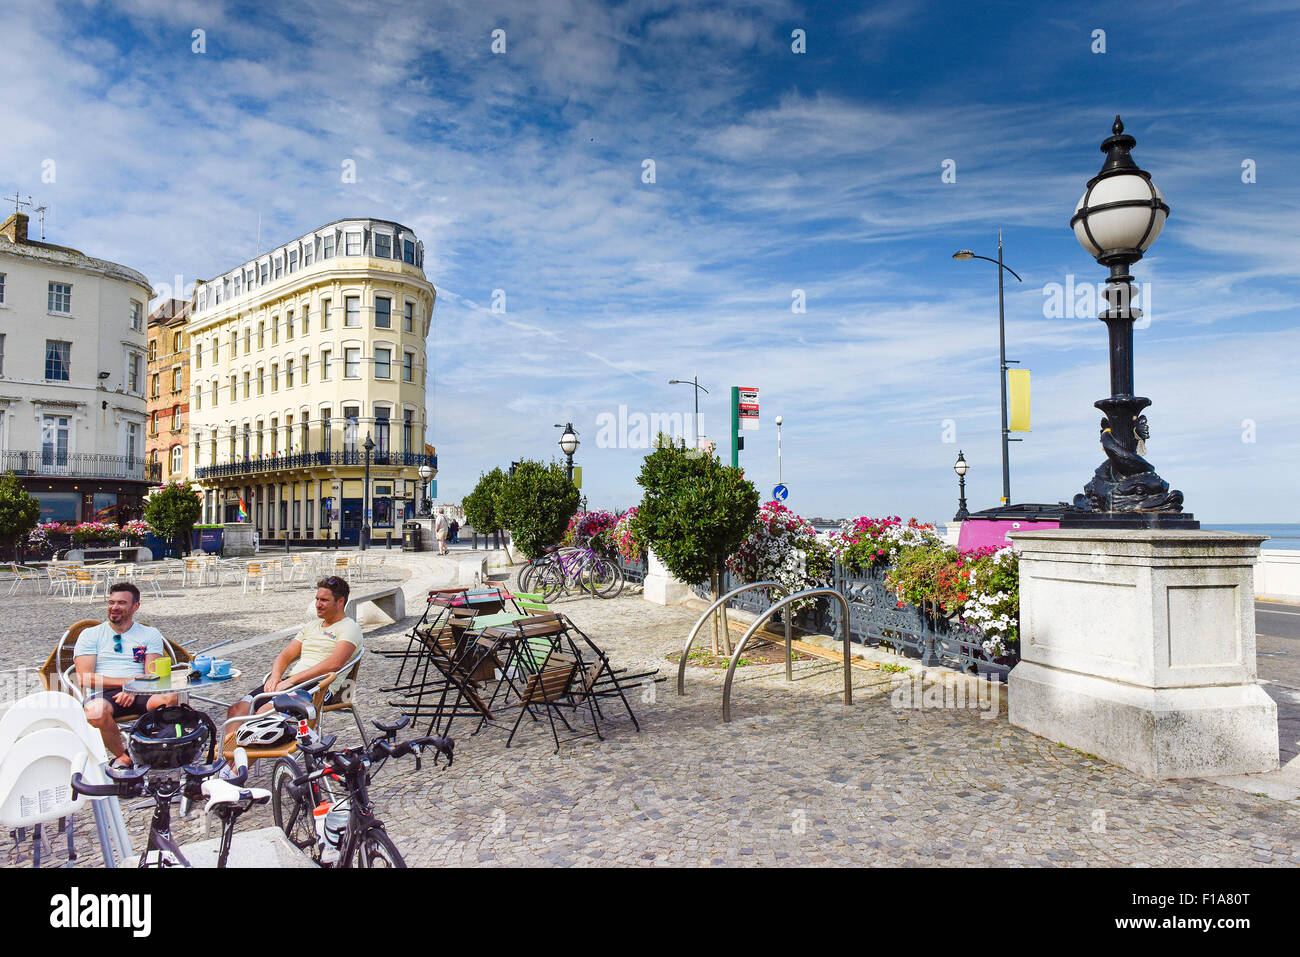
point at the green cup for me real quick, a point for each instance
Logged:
(162, 667)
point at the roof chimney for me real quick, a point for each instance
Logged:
(14, 228)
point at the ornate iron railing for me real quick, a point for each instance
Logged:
(80, 465)
(308, 460)
(876, 617)
(633, 569)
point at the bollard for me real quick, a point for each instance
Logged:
(389, 542)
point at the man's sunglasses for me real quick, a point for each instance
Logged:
(331, 582)
(117, 644)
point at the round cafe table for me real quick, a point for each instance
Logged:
(180, 685)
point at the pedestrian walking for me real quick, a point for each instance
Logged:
(453, 532)
(440, 527)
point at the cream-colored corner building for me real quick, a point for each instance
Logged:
(297, 357)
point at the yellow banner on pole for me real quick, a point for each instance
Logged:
(577, 476)
(1018, 392)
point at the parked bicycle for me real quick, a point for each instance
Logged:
(323, 804)
(576, 568)
(164, 744)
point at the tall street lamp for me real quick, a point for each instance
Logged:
(426, 473)
(365, 514)
(961, 468)
(568, 445)
(1002, 361)
(694, 383)
(1118, 218)
(779, 420)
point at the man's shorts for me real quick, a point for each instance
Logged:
(138, 706)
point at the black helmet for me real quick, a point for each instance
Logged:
(169, 738)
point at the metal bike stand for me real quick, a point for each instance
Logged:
(690, 639)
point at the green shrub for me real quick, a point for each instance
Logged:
(535, 504)
(480, 505)
(172, 512)
(19, 511)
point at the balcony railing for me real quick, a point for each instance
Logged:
(81, 465)
(311, 460)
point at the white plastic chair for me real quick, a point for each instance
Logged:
(22, 575)
(254, 572)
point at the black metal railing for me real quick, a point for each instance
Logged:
(634, 569)
(80, 465)
(877, 617)
(308, 460)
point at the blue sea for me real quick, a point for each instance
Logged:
(1280, 536)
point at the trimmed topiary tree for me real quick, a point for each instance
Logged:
(173, 512)
(19, 512)
(535, 504)
(480, 505)
(694, 514)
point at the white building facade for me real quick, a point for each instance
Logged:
(297, 357)
(72, 378)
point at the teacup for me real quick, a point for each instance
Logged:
(202, 663)
(220, 668)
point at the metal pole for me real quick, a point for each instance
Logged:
(1002, 357)
(735, 426)
(778, 456)
(365, 505)
(695, 379)
(569, 467)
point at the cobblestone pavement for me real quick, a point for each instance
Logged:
(797, 778)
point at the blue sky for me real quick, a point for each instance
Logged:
(775, 171)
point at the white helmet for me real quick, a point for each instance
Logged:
(265, 731)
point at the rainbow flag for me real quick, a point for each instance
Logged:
(243, 510)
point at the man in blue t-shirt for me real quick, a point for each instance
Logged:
(111, 654)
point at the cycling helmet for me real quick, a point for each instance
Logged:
(265, 731)
(169, 738)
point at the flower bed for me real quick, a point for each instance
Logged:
(783, 547)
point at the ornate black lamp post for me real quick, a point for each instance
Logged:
(427, 472)
(1003, 360)
(365, 516)
(961, 467)
(1118, 218)
(568, 445)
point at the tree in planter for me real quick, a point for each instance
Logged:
(480, 505)
(173, 512)
(694, 514)
(535, 504)
(19, 512)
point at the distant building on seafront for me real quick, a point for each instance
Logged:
(297, 356)
(168, 403)
(72, 378)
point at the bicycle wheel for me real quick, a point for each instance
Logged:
(603, 577)
(376, 849)
(551, 581)
(529, 576)
(293, 812)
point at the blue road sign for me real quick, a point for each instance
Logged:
(780, 493)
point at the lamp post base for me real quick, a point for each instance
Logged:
(1137, 519)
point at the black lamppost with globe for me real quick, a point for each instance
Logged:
(1118, 218)
(365, 517)
(568, 445)
(426, 473)
(961, 467)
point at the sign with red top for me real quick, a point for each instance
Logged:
(748, 406)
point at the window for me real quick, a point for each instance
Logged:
(261, 380)
(58, 360)
(214, 391)
(352, 363)
(275, 376)
(215, 355)
(153, 422)
(324, 313)
(307, 252)
(408, 367)
(153, 349)
(153, 387)
(133, 373)
(306, 319)
(234, 390)
(383, 245)
(234, 344)
(246, 377)
(232, 448)
(261, 335)
(408, 317)
(56, 432)
(176, 418)
(2, 287)
(288, 324)
(260, 439)
(353, 244)
(306, 367)
(248, 339)
(381, 432)
(60, 297)
(279, 267)
(266, 273)
(137, 314)
(275, 329)
(246, 442)
(176, 343)
(293, 260)
(275, 436)
(351, 416)
(324, 365)
(2, 360)
(324, 430)
(239, 282)
(351, 311)
(383, 313)
(383, 363)
(327, 251)
(288, 373)
(306, 436)
(176, 380)
(132, 442)
(198, 397)
(408, 421)
(408, 251)
(198, 356)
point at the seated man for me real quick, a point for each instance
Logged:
(111, 654)
(323, 646)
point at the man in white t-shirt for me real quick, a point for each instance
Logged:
(320, 647)
(109, 655)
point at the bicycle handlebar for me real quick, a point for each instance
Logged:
(79, 786)
(345, 762)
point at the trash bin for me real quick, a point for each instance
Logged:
(411, 537)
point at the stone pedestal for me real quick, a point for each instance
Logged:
(660, 586)
(1139, 647)
(237, 540)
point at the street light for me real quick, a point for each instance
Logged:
(779, 420)
(568, 445)
(1118, 218)
(964, 254)
(961, 467)
(426, 473)
(365, 517)
(694, 383)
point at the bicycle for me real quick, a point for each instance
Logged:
(229, 800)
(529, 573)
(302, 796)
(581, 568)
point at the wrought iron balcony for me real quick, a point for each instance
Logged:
(79, 465)
(313, 460)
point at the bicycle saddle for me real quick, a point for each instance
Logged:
(205, 770)
(127, 775)
(223, 792)
(295, 705)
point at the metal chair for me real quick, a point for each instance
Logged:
(318, 686)
(344, 696)
(255, 572)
